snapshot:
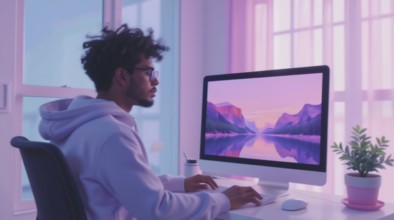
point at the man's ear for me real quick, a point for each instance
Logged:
(121, 77)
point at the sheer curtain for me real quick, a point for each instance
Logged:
(359, 50)
(375, 97)
(353, 38)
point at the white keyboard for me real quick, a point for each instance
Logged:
(225, 183)
(267, 199)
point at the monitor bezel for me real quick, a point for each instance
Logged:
(323, 69)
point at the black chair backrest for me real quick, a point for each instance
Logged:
(53, 185)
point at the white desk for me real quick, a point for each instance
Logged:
(320, 207)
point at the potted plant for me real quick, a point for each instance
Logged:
(364, 157)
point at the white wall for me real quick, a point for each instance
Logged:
(8, 59)
(203, 51)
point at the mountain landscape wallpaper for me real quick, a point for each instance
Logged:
(269, 118)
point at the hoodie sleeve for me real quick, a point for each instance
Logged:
(123, 170)
(173, 183)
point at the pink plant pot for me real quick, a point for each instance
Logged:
(363, 190)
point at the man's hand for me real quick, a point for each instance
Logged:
(199, 182)
(240, 195)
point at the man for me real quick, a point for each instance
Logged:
(100, 141)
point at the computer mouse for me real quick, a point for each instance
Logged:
(293, 204)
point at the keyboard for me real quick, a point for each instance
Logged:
(267, 199)
(225, 183)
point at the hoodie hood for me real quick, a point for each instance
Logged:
(61, 117)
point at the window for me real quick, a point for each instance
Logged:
(354, 39)
(157, 125)
(51, 48)
(52, 34)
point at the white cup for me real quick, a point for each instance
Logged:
(192, 168)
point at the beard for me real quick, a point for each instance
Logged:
(145, 103)
(141, 100)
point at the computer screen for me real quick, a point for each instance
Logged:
(267, 124)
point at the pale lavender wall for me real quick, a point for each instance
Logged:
(203, 51)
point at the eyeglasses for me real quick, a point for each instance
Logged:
(153, 74)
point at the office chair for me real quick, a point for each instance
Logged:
(53, 185)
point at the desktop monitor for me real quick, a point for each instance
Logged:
(270, 125)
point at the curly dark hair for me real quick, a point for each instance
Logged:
(120, 48)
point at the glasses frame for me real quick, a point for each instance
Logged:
(152, 73)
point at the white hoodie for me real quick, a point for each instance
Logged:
(109, 161)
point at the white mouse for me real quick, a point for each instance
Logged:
(294, 204)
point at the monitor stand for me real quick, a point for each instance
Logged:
(273, 188)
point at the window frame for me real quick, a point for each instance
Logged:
(353, 94)
(21, 90)
(112, 18)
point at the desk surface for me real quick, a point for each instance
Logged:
(320, 206)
